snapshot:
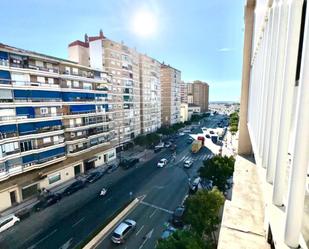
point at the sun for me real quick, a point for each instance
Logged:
(144, 23)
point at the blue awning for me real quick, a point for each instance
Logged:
(68, 96)
(29, 158)
(22, 94)
(47, 123)
(8, 128)
(51, 153)
(26, 128)
(82, 108)
(25, 111)
(5, 77)
(4, 55)
(45, 94)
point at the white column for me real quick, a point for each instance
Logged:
(270, 82)
(279, 57)
(264, 93)
(300, 159)
(264, 120)
(294, 8)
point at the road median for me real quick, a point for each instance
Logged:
(98, 235)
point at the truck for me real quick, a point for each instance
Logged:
(202, 139)
(196, 146)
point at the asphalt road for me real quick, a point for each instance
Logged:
(67, 223)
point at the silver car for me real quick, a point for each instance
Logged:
(122, 231)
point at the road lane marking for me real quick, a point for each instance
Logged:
(67, 244)
(157, 207)
(44, 238)
(147, 237)
(152, 214)
(77, 222)
(33, 235)
(139, 230)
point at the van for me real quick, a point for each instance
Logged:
(122, 231)
(7, 222)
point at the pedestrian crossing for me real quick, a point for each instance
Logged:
(195, 157)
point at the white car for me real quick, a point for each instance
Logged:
(123, 230)
(187, 163)
(162, 163)
(7, 222)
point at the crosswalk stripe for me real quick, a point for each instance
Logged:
(156, 207)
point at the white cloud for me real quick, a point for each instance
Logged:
(225, 49)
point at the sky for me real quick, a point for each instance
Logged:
(202, 38)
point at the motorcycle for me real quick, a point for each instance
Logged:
(103, 192)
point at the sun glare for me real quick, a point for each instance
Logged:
(144, 23)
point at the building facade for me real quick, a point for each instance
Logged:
(184, 112)
(274, 124)
(193, 109)
(56, 121)
(183, 92)
(200, 92)
(122, 63)
(170, 95)
(150, 91)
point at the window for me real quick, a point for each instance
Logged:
(53, 110)
(46, 140)
(40, 79)
(56, 139)
(54, 178)
(6, 222)
(69, 83)
(51, 80)
(75, 83)
(43, 110)
(25, 146)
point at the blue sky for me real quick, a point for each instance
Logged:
(202, 38)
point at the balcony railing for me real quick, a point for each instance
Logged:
(45, 69)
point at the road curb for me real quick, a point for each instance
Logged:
(93, 243)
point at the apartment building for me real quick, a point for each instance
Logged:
(183, 92)
(271, 183)
(56, 121)
(150, 92)
(190, 92)
(122, 63)
(170, 95)
(200, 92)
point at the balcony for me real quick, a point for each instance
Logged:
(45, 69)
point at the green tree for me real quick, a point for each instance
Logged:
(140, 140)
(218, 169)
(202, 212)
(183, 239)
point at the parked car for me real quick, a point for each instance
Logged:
(162, 163)
(207, 136)
(128, 163)
(167, 145)
(75, 186)
(157, 149)
(122, 231)
(47, 201)
(111, 168)
(181, 134)
(168, 232)
(211, 132)
(7, 222)
(178, 216)
(94, 176)
(188, 163)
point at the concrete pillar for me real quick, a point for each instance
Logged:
(273, 53)
(281, 27)
(294, 9)
(267, 86)
(244, 143)
(264, 84)
(300, 159)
